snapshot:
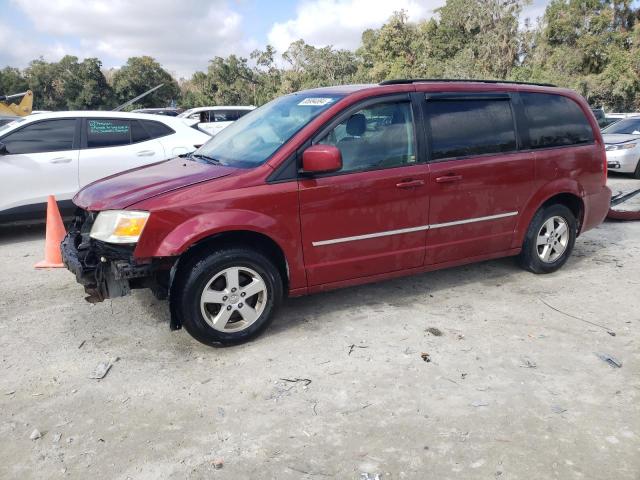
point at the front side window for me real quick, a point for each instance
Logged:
(555, 121)
(40, 137)
(628, 126)
(251, 140)
(462, 128)
(379, 136)
(104, 132)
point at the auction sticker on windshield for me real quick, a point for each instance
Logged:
(315, 101)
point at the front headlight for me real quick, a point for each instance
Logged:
(119, 226)
(621, 146)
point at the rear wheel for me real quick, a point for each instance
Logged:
(549, 240)
(227, 297)
(636, 173)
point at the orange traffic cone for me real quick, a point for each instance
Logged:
(55, 234)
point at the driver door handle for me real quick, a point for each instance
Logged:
(146, 153)
(60, 160)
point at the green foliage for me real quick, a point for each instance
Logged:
(68, 84)
(592, 46)
(140, 74)
(12, 81)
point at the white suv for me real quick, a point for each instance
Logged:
(58, 153)
(212, 120)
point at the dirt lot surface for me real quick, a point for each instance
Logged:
(337, 387)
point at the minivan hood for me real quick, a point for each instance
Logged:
(612, 138)
(132, 186)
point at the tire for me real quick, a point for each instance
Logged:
(222, 315)
(636, 173)
(549, 257)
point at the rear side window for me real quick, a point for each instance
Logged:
(108, 132)
(461, 128)
(40, 137)
(156, 129)
(555, 121)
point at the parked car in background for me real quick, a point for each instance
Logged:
(5, 119)
(212, 120)
(169, 111)
(57, 153)
(340, 186)
(622, 143)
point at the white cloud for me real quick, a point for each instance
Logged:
(341, 22)
(17, 49)
(183, 35)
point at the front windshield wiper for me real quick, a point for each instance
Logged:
(207, 159)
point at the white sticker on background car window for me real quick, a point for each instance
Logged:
(315, 101)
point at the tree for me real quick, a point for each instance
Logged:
(140, 74)
(12, 81)
(591, 46)
(310, 67)
(68, 85)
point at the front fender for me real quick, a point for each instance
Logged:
(163, 239)
(551, 189)
(205, 225)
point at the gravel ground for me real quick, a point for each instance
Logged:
(337, 387)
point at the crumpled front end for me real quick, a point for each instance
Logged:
(107, 270)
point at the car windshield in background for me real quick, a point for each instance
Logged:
(10, 123)
(630, 126)
(251, 140)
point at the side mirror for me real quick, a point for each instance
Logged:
(321, 159)
(3, 149)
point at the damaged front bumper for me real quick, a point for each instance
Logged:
(106, 270)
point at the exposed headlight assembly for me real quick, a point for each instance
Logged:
(119, 226)
(620, 146)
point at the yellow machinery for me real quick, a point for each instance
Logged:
(22, 109)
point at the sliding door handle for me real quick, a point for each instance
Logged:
(449, 178)
(410, 183)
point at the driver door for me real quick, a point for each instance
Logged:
(370, 217)
(41, 160)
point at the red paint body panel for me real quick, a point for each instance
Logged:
(124, 189)
(487, 186)
(191, 201)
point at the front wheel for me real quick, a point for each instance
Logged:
(227, 297)
(549, 240)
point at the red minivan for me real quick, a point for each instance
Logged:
(340, 186)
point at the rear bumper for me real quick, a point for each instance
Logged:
(596, 207)
(104, 270)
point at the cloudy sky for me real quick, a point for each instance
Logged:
(184, 34)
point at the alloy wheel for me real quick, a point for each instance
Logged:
(233, 299)
(552, 239)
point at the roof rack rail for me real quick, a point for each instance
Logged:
(401, 81)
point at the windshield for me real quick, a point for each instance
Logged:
(630, 126)
(6, 126)
(252, 139)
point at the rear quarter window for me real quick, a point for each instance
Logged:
(555, 121)
(156, 129)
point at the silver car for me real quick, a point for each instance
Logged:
(622, 142)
